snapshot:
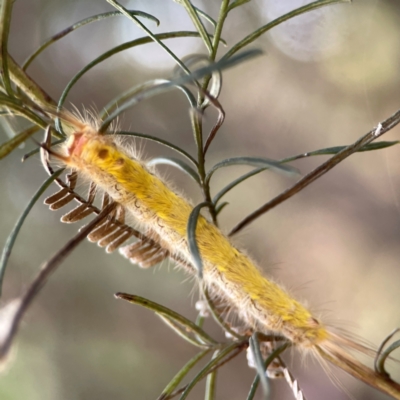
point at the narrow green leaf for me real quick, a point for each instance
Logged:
(35, 151)
(180, 331)
(192, 240)
(220, 207)
(194, 61)
(381, 355)
(212, 363)
(259, 362)
(237, 3)
(5, 21)
(20, 109)
(74, 27)
(29, 87)
(7, 147)
(167, 312)
(113, 107)
(337, 149)
(14, 233)
(253, 388)
(200, 320)
(206, 17)
(326, 151)
(124, 11)
(316, 173)
(175, 162)
(234, 183)
(116, 50)
(376, 146)
(384, 355)
(194, 16)
(298, 11)
(177, 379)
(179, 81)
(211, 383)
(266, 163)
(160, 141)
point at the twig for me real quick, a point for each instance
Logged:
(382, 128)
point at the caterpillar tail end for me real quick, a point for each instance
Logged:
(334, 350)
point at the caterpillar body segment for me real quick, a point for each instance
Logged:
(229, 274)
(154, 205)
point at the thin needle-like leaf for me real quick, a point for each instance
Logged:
(160, 141)
(234, 183)
(7, 147)
(20, 109)
(211, 383)
(179, 81)
(124, 11)
(384, 355)
(337, 149)
(206, 17)
(237, 3)
(192, 240)
(326, 151)
(5, 21)
(158, 308)
(259, 363)
(209, 367)
(177, 379)
(74, 27)
(180, 331)
(384, 127)
(195, 61)
(192, 12)
(14, 233)
(118, 49)
(114, 105)
(220, 207)
(381, 355)
(298, 11)
(254, 162)
(29, 87)
(175, 162)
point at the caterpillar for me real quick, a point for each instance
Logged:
(228, 272)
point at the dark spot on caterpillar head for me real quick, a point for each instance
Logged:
(314, 322)
(120, 161)
(102, 154)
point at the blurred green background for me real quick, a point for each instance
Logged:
(325, 79)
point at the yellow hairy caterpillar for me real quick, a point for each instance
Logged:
(227, 272)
